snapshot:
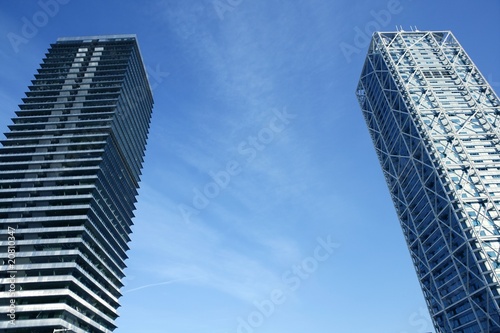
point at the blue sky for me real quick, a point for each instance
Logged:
(262, 205)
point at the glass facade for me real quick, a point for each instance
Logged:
(434, 122)
(69, 174)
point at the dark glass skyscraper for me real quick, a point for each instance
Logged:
(69, 174)
(435, 121)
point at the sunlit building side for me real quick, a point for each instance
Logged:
(434, 121)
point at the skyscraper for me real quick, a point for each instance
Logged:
(69, 173)
(434, 121)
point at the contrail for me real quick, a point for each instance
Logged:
(160, 283)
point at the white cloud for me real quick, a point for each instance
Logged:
(231, 245)
(198, 254)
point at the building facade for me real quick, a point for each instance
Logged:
(434, 122)
(69, 173)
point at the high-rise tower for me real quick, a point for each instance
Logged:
(69, 174)
(434, 121)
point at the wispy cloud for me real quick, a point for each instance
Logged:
(198, 254)
(239, 244)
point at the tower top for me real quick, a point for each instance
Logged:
(101, 38)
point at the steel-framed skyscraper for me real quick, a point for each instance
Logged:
(69, 173)
(434, 121)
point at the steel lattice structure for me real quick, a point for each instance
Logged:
(434, 121)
